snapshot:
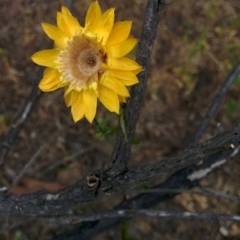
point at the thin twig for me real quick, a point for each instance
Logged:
(205, 192)
(25, 111)
(211, 192)
(25, 168)
(66, 159)
(129, 213)
(216, 101)
(20, 119)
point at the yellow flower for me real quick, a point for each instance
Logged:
(89, 61)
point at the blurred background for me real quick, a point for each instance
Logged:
(197, 46)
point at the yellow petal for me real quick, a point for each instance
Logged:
(121, 49)
(47, 71)
(93, 17)
(119, 33)
(128, 78)
(122, 99)
(71, 21)
(90, 104)
(62, 24)
(50, 80)
(105, 25)
(123, 64)
(112, 83)
(62, 83)
(47, 58)
(137, 71)
(77, 106)
(55, 34)
(68, 97)
(108, 98)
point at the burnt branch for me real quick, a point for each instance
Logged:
(129, 213)
(45, 203)
(25, 168)
(183, 179)
(216, 102)
(26, 109)
(122, 147)
(204, 192)
(118, 178)
(21, 118)
(102, 182)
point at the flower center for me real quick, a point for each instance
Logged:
(80, 62)
(88, 62)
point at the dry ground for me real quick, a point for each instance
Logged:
(196, 47)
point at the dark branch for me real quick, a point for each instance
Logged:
(99, 183)
(25, 168)
(21, 118)
(69, 3)
(204, 192)
(25, 112)
(122, 147)
(118, 179)
(216, 101)
(129, 213)
(183, 179)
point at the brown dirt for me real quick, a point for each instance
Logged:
(196, 47)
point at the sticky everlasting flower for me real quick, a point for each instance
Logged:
(88, 62)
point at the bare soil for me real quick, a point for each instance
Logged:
(196, 47)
